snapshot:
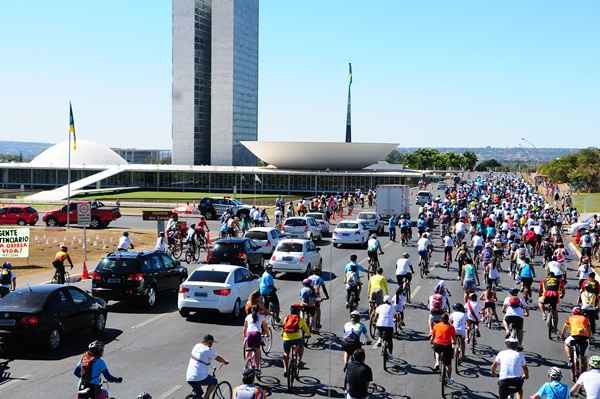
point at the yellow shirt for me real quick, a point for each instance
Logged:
(62, 256)
(378, 283)
(578, 326)
(302, 331)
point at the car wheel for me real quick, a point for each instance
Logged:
(21, 222)
(54, 339)
(184, 313)
(51, 222)
(151, 296)
(236, 313)
(95, 223)
(99, 323)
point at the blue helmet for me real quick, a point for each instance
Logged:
(7, 265)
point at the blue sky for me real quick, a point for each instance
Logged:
(439, 73)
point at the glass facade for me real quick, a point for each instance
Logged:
(202, 79)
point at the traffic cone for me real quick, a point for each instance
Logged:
(85, 275)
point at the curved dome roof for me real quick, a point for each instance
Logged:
(319, 155)
(87, 153)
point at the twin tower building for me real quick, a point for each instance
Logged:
(215, 81)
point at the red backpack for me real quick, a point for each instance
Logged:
(291, 324)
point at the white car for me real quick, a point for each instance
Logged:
(224, 288)
(321, 220)
(296, 256)
(302, 227)
(350, 232)
(584, 224)
(266, 238)
(371, 221)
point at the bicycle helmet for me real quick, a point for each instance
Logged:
(594, 362)
(125, 234)
(63, 247)
(96, 348)
(555, 374)
(512, 343)
(459, 307)
(307, 282)
(514, 301)
(355, 315)
(7, 265)
(406, 255)
(576, 311)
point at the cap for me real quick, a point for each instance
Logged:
(208, 337)
(355, 313)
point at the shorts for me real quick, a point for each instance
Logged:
(309, 309)
(401, 277)
(509, 386)
(516, 321)
(527, 281)
(549, 300)
(446, 351)
(377, 297)
(489, 305)
(469, 285)
(404, 230)
(253, 340)
(287, 345)
(579, 340)
(349, 346)
(197, 385)
(423, 254)
(586, 251)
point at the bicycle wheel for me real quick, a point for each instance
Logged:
(372, 329)
(385, 354)
(223, 391)
(443, 374)
(421, 268)
(291, 373)
(176, 250)
(456, 357)
(408, 292)
(473, 334)
(189, 257)
(267, 343)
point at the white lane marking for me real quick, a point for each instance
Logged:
(414, 293)
(150, 320)
(13, 381)
(170, 392)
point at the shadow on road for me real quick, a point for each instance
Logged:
(167, 303)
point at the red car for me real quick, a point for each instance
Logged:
(101, 215)
(18, 214)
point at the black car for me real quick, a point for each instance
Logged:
(43, 314)
(214, 208)
(236, 251)
(137, 276)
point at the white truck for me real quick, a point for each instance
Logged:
(392, 199)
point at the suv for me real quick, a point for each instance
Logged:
(237, 251)
(18, 214)
(213, 208)
(137, 276)
(302, 227)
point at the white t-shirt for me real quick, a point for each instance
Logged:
(124, 243)
(513, 311)
(591, 383)
(402, 266)
(459, 227)
(400, 304)
(583, 272)
(477, 241)
(511, 364)
(385, 315)
(448, 242)
(459, 321)
(493, 273)
(198, 370)
(161, 244)
(554, 267)
(423, 244)
(474, 315)
(251, 326)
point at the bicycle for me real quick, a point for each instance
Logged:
(352, 301)
(443, 374)
(423, 266)
(176, 248)
(473, 337)
(515, 333)
(223, 390)
(385, 351)
(293, 368)
(192, 253)
(373, 265)
(577, 360)
(56, 277)
(250, 356)
(408, 291)
(459, 344)
(551, 320)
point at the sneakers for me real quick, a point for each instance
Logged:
(450, 381)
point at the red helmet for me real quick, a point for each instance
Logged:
(576, 311)
(514, 301)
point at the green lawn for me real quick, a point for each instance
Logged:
(587, 203)
(173, 196)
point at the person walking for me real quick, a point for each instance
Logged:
(358, 376)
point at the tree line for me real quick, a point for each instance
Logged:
(430, 158)
(581, 170)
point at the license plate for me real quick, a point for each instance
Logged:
(113, 280)
(345, 234)
(7, 323)
(201, 294)
(287, 259)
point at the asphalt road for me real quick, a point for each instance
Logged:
(151, 349)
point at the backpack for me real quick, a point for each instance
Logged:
(351, 338)
(5, 279)
(437, 301)
(351, 279)
(291, 324)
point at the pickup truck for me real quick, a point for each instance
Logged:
(101, 215)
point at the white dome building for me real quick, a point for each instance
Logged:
(87, 153)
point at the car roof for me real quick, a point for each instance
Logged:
(297, 217)
(293, 240)
(235, 240)
(423, 193)
(40, 289)
(262, 229)
(349, 221)
(218, 268)
(314, 213)
(129, 254)
(15, 206)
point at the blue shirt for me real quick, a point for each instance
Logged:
(469, 272)
(98, 368)
(359, 268)
(526, 271)
(308, 296)
(266, 284)
(553, 390)
(392, 223)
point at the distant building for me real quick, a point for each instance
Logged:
(215, 81)
(141, 156)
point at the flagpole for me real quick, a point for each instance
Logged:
(69, 178)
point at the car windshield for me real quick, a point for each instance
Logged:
(257, 235)
(367, 216)
(209, 276)
(23, 298)
(295, 222)
(347, 226)
(118, 265)
(289, 247)
(228, 247)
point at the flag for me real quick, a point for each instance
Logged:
(257, 179)
(349, 74)
(72, 126)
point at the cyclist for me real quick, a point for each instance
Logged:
(392, 227)
(197, 373)
(514, 309)
(377, 287)
(59, 263)
(553, 389)
(399, 301)
(318, 284)
(437, 303)
(8, 280)
(590, 380)
(404, 229)
(294, 328)
(443, 335)
(579, 333)
(459, 231)
(463, 256)
(473, 314)
(477, 243)
(385, 322)
(448, 246)
(470, 278)
(489, 299)
(249, 390)
(513, 370)
(358, 377)
(125, 243)
(353, 331)
(589, 305)
(268, 291)
(373, 250)
(353, 284)
(458, 318)
(308, 300)
(584, 270)
(90, 370)
(423, 249)
(549, 293)
(526, 275)
(254, 326)
(404, 270)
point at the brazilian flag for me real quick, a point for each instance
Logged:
(72, 127)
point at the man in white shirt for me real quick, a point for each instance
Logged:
(404, 269)
(589, 380)
(385, 322)
(161, 243)
(459, 230)
(125, 243)
(513, 370)
(200, 363)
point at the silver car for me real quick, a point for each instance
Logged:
(321, 220)
(302, 227)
